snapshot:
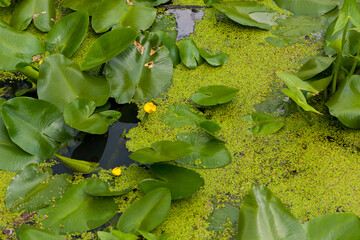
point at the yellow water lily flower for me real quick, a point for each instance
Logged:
(116, 171)
(150, 107)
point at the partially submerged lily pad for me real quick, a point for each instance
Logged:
(181, 115)
(214, 95)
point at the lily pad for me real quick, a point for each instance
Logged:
(67, 34)
(214, 59)
(314, 66)
(42, 12)
(35, 125)
(345, 103)
(313, 8)
(87, 6)
(77, 165)
(214, 95)
(297, 26)
(116, 235)
(146, 213)
(241, 12)
(26, 232)
(77, 211)
(266, 123)
(97, 187)
(189, 54)
(110, 13)
(17, 47)
(162, 151)
(171, 45)
(211, 127)
(180, 115)
(61, 81)
(33, 188)
(80, 115)
(180, 181)
(108, 46)
(12, 157)
(208, 153)
(142, 71)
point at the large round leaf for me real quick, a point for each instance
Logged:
(61, 81)
(345, 103)
(67, 34)
(97, 187)
(12, 157)
(32, 189)
(181, 182)
(77, 211)
(343, 226)
(208, 153)
(307, 7)
(181, 115)
(162, 151)
(42, 12)
(143, 71)
(242, 13)
(146, 213)
(110, 12)
(108, 46)
(213, 95)
(16, 47)
(26, 232)
(263, 216)
(80, 115)
(35, 125)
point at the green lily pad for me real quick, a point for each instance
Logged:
(80, 115)
(77, 165)
(141, 72)
(214, 59)
(26, 232)
(208, 153)
(35, 125)
(297, 27)
(110, 13)
(61, 81)
(162, 151)
(313, 8)
(87, 6)
(17, 47)
(211, 127)
(116, 235)
(266, 123)
(108, 46)
(247, 13)
(67, 34)
(150, 3)
(97, 187)
(180, 181)
(180, 115)
(345, 103)
(77, 211)
(314, 66)
(171, 45)
(166, 23)
(42, 12)
(189, 54)
(150, 236)
(214, 95)
(146, 213)
(33, 188)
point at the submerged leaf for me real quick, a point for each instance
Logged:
(17, 47)
(240, 12)
(162, 151)
(108, 46)
(35, 125)
(80, 115)
(180, 181)
(263, 216)
(77, 165)
(345, 103)
(42, 12)
(214, 95)
(130, 74)
(307, 7)
(67, 34)
(181, 115)
(77, 211)
(146, 213)
(208, 153)
(61, 81)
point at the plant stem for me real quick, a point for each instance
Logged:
(30, 72)
(338, 60)
(304, 116)
(355, 62)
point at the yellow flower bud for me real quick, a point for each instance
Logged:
(116, 171)
(40, 62)
(150, 107)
